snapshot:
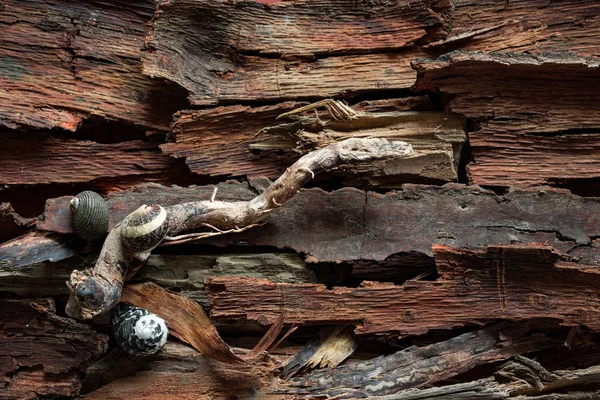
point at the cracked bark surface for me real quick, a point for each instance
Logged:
(288, 50)
(45, 159)
(68, 68)
(64, 61)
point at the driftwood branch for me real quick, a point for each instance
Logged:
(97, 290)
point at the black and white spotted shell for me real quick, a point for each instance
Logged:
(89, 216)
(145, 228)
(138, 331)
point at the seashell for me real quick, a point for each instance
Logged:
(138, 331)
(90, 216)
(145, 228)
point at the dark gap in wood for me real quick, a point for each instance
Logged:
(322, 55)
(99, 130)
(397, 268)
(581, 187)
(331, 183)
(202, 248)
(564, 132)
(334, 274)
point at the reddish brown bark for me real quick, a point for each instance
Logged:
(533, 26)
(508, 282)
(526, 136)
(42, 159)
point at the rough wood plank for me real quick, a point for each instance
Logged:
(41, 354)
(42, 159)
(526, 135)
(353, 225)
(423, 366)
(288, 50)
(511, 282)
(237, 140)
(61, 62)
(533, 26)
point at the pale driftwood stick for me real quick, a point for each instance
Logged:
(97, 290)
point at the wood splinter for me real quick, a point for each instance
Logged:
(97, 290)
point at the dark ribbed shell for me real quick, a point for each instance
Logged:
(144, 228)
(138, 331)
(90, 216)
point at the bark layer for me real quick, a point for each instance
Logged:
(511, 282)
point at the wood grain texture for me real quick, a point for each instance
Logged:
(532, 26)
(243, 140)
(288, 50)
(509, 282)
(61, 62)
(423, 366)
(180, 373)
(353, 225)
(42, 354)
(42, 159)
(525, 135)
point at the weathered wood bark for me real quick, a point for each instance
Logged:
(11, 223)
(42, 354)
(182, 373)
(182, 273)
(512, 282)
(520, 379)
(259, 147)
(64, 61)
(288, 50)
(525, 135)
(95, 291)
(89, 76)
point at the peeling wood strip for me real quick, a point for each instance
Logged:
(536, 285)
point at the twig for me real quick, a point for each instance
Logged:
(190, 237)
(97, 290)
